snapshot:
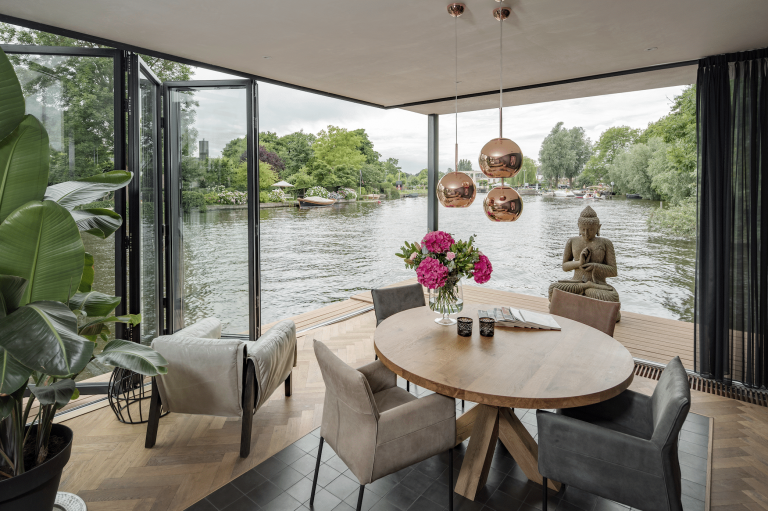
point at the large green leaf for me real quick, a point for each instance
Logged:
(97, 327)
(24, 163)
(135, 357)
(43, 337)
(86, 282)
(11, 292)
(40, 242)
(58, 393)
(89, 189)
(97, 221)
(94, 304)
(11, 97)
(12, 373)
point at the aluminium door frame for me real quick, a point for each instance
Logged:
(173, 236)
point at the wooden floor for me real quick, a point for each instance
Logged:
(111, 470)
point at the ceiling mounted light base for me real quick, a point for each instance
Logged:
(502, 13)
(456, 190)
(503, 204)
(501, 158)
(456, 9)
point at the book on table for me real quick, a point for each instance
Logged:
(519, 318)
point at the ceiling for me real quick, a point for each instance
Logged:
(398, 52)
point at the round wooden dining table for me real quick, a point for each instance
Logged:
(516, 368)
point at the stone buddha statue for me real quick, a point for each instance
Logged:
(592, 260)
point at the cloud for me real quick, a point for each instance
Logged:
(403, 135)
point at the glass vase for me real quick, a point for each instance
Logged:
(446, 300)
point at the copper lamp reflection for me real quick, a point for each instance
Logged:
(503, 204)
(501, 158)
(456, 190)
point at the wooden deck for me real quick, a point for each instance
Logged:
(111, 470)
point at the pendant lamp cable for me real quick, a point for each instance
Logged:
(501, 71)
(456, 90)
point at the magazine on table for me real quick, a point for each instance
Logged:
(508, 316)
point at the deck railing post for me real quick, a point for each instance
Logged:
(432, 171)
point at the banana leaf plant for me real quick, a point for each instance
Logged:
(50, 315)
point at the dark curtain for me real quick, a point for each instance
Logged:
(731, 309)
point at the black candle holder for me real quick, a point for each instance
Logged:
(487, 326)
(464, 326)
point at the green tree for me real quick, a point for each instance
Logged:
(366, 147)
(301, 180)
(336, 146)
(563, 153)
(296, 150)
(630, 169)
(465, 166)
(612, 142)
(527, 173)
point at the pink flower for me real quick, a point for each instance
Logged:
(414, 256)
(483, 269)
(450, 256)
(438, 242)
(431, 273)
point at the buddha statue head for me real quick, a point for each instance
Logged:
(589, 224)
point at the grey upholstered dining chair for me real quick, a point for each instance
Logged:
(208, 375)
(388, 301)
(595, 313)
(377, 428)
(623, 449)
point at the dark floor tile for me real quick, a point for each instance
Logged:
(461, 503)
(609, 505)
(382, 486)
(337, 464)
(696, 418)
(270, 467)
(697, 427)
(694, 438)
(518, 473)
(401, 497)
(502, 463)
(500, 501)
(290, 454)
(243, 504)
(535, 498)
(249, 481)
(342, 486)
(325, 476)
(385, 505)
(324, 501)
(697, 476)
(692, 461)
(432, 467)
(304, 465)
(202, 505)
(697, 450)
(437, 493)
(369, 499)
(402, 473)
(423, 504)
(516, 488)
(565, 506)
(282, 502)
(264, 493)
(418, 481)
(691, 504)
(307, 443)
(343, 506)
(224, 496)
(286, 478)
(581, 499)
(697, 491)
(301, 491)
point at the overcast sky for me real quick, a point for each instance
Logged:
(403, 135)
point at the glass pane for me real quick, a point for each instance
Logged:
(73, 97)
(210, 158)
(148, 169)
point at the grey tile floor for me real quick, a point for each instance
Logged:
(283, 482)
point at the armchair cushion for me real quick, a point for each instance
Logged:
(629, 412)
(274, 356)
(205, 376)
(392, 398)
(208, 328)
(378, 376)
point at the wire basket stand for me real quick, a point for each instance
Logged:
(129, 394)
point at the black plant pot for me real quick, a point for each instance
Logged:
(36, 489)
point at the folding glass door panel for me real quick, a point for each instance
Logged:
(145, 200)
(211, 197)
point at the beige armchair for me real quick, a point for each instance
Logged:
(377, 428)
(208, 375)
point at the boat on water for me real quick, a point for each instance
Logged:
(315, 202)
(411, 195)
(634, 196)
(579, 194)
(372, 196)
(563, 194)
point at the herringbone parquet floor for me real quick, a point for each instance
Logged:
(111, 470)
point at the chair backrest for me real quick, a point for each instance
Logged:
(595, 313)
(205, 376)
(208, 328)
(350, 415)
(391, 300)
(670, 403)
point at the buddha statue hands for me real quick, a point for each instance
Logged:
(592, 259)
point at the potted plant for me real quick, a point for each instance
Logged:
(50, 317)
(440, 263)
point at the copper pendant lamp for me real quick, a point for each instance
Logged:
(456, 189)
(501, 157)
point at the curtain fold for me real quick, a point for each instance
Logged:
(731, 298)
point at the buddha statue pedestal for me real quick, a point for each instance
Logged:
(592, 260)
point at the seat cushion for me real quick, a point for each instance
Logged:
(392, 398)
(208, 328)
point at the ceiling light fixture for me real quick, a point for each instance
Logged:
(652, 48)
(501, 157)
(456, 189)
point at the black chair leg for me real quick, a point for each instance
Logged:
(407, 385)
(248, 405)
(375, 357)
(154, 417)
(360, 497)
(289, 385)
(462, 404)
(317, 469)
(450, 479)
(544, 496)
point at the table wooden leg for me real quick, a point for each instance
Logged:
(464, 425)
(521, 446)
(477, 460)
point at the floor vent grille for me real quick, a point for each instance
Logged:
(737, 392)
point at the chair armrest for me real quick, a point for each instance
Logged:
(208, 328)
(629, 409)
(417, 415)
(568, 447)
(378, 376)
(273, 355)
